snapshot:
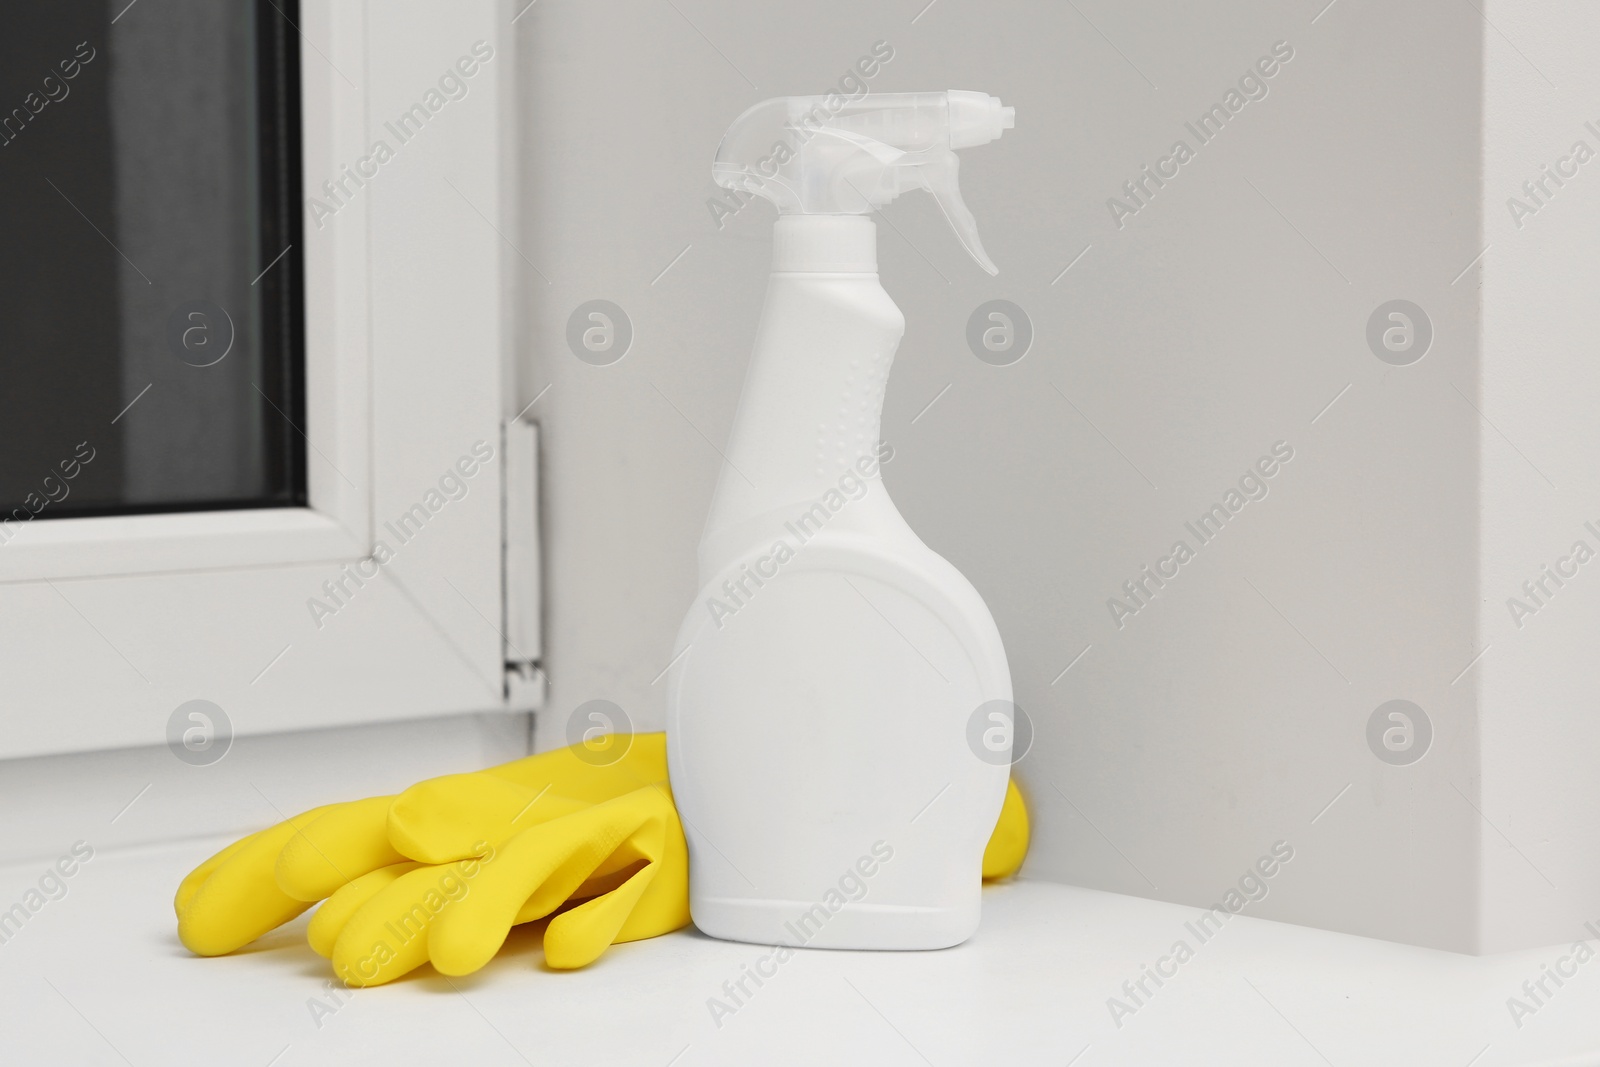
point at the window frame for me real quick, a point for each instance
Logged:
(109, 623)
(336, 521)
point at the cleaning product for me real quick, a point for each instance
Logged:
(833, 668)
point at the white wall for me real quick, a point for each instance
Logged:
(1540, 480)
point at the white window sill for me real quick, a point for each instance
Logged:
(99, 975)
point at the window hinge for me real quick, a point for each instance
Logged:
(524, 645)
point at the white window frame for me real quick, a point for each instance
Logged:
(106, 623)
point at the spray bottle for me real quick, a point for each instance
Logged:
(830, 675)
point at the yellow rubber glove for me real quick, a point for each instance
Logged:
(269, 877)
(619, 869)
(1009, 842)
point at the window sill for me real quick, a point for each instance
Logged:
(1032, 987)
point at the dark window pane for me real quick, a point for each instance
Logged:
(150, 315)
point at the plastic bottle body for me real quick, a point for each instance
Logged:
(818, 714)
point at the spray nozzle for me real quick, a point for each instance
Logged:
(837, 155)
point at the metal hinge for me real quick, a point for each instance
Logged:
(522, 576)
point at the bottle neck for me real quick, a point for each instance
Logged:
(825, 244)
(809, 416)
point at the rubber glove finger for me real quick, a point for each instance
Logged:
(240, 900)
(387, 937)
(446, 819)
(532, 875)
(654, 901)
(602, 881)
(537, 907)
(194, 879)
(515, 887)
(329, 921)
(347, 842)
(576, 938)
(1009, 842)
(664, 907)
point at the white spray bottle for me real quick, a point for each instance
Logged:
(833, 669)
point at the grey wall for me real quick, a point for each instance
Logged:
(1224, 316)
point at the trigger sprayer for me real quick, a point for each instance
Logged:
(812, 158)
(834, 674)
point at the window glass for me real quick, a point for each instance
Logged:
(150, 269)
